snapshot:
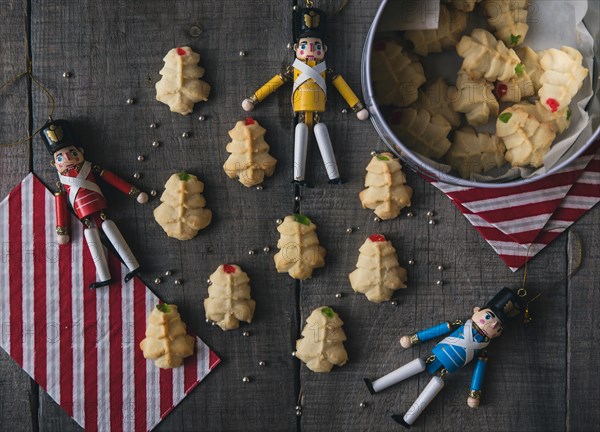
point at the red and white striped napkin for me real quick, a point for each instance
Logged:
(518, 222)
(82, 345)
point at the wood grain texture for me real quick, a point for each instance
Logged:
(541, 377)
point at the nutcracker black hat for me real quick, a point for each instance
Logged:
(507, 305)
(57, 135)
(309, 22)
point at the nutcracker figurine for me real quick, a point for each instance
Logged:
(466, 343)
(77, 181)
(309, 94)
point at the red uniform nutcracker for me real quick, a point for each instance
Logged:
(78, 184)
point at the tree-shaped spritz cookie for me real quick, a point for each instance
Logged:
(464, 5)
(250, 160)
(422, 132)
(562, 78)
(299, 251)
(378, 273)
(166, 342)
(487, 57)
(451, 24)
(527, 80)
(474, 98)
(322, 342)
(435, 100)
(180, 86)
(229, 300)
(475, 153)
(396, 75)
(527, 139)
(509, 19)
(182, 213)
(386, 190)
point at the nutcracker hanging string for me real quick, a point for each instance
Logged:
(28, 73)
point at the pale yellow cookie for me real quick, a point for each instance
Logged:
(166, 342)
(378, 273)
(464, 5)
(475, 153)
(509, 19)
(451, 24)
(180, 86)
(299, 251)
(422, 132)
(322, 342)
(250, 160)
(386, 190)
(229, 300)
(474, 98)
(435, 100)
(182, 213)
(526, 82)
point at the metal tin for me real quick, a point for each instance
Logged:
(592, 22)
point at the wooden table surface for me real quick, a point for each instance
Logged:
(543, 377)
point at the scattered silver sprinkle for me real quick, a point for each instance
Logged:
(298, 412)
(298, 407)
(246, 379)
(213, 323)
(66, 74)
(439, 282)
(338, 295)
(298, 198)
(201, 117)
(362, 404)
(141, 158)
(376, 219)
(195, 31)
(246, 333)
(394, 303)
(259, 188)
(290, 46)
(431, 222)
(373, 153)
(153, 192)
(155, 144)
(411, 262)
(440, 267)
(153, 125)
(208, 282)
(242, 53)
(207, 321)
(136, 175)
(293, 353)
(430, 213)
(178, 282)
(266, 249)
(251, 252)
(296, 7)
(349, 230)
(410, 214)
(130, 101)
(344, 111)
(157, 280)
(279, 221)
(168, 273)
(262, 363)
(185, 135)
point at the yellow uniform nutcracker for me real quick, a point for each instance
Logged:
(309, 75)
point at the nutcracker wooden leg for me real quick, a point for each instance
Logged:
(409, 369)
(300, 146)
(326, 149)
(116, 239)
(92, 238)
(436, 384)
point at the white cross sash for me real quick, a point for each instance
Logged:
(81, 181)
(307, 72)
(468, 343)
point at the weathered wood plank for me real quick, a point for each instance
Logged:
(17, 403)
(583, 335)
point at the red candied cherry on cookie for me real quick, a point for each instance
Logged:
(181, 51)
(553, 104)
(228, 268)
(249, 121)
(376, 238)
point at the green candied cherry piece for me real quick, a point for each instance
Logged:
(514, 39)
(383, 158)
(184, 176)
(569, 114)
(328, 312)
(520, 68)
(304, 220)
(163, 307)
(504, 118)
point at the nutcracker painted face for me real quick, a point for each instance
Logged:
(487, 322)
(67, 157)
(310, 48)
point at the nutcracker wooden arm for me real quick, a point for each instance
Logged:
(429, 333)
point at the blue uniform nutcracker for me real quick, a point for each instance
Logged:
(465, 343)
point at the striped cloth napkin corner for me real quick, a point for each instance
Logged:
(518, 222)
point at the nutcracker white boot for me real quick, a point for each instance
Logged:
(429, 392)
(92, 238)
(116, 239)
(409, 369)
(326, 149)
